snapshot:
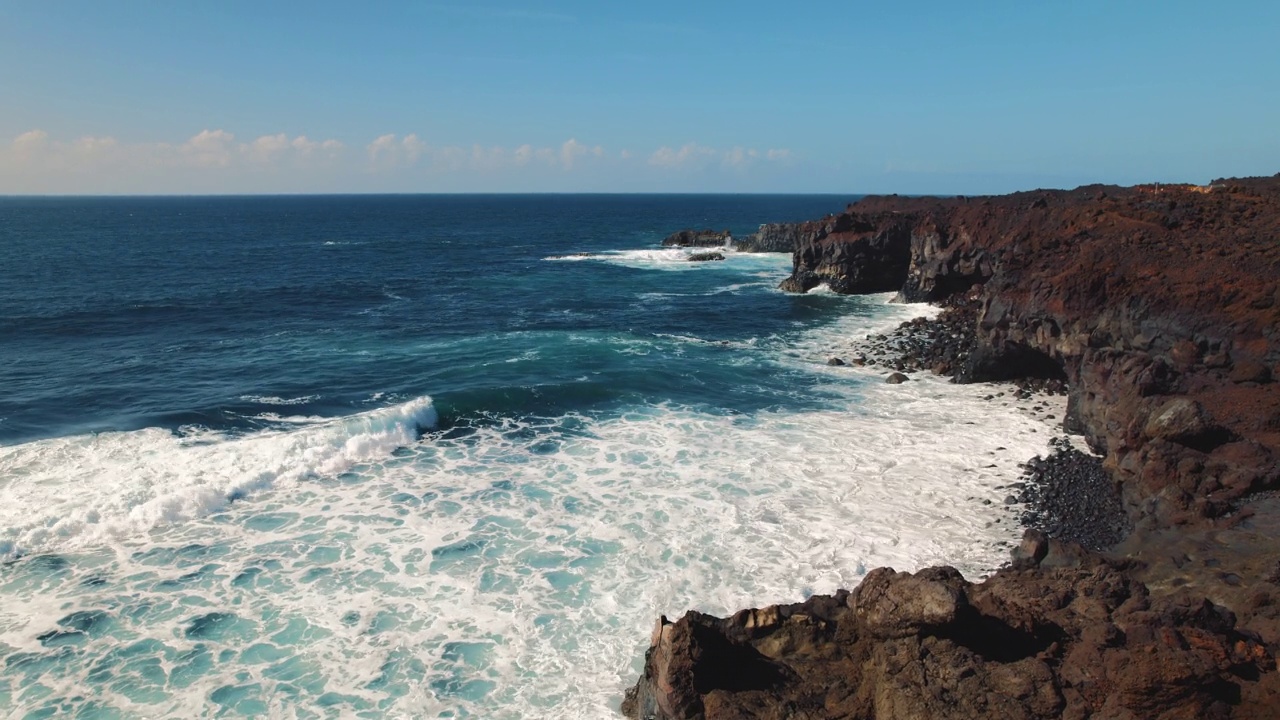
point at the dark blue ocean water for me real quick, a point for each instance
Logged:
(137, 312)
(329, 457)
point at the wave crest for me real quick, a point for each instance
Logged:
(107, 487)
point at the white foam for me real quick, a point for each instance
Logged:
(672, 258)
(515, 572)
(275, 400)
(72, 491)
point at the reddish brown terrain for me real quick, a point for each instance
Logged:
(1159, 305)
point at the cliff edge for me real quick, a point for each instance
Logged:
(1159, 306)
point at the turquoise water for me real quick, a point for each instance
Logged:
(333, 457)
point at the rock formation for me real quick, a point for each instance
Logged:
(1079, 637)
(704, 256)
(698, 238)
(1159, 307)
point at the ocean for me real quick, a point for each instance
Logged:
(439, 456)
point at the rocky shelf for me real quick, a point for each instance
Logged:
(1157, 309)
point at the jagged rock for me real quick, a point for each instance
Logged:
(1032, 550)
(890, 604)
(699, 238)
(704, 256)
(896, 379)
(1080, 639)
(1186, 422)
(835, 361)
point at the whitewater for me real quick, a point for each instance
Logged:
(471, 523)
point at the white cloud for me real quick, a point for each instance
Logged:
(488, 158)
(29, 143)
(736, 157)
(690, 154)
(413, 147)
(389, 151)
(210, 148)
(570, 151)
(215, 160)
(523, 155)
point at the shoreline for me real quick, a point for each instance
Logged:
(1169, 380)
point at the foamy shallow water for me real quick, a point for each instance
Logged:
(512, 571)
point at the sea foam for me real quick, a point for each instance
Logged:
(66, 492)
(506, 572)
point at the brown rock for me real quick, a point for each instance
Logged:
(1250, 371)
(1081, 639)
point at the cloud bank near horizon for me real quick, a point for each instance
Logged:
(215, 161)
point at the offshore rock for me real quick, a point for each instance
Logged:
(1079, 638)
(699, 238)
(704, 256)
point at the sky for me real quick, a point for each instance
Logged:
(132, 97)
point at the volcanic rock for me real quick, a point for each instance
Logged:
(699, 238)
(1168, 368)
(1079, 637)
(704, 256)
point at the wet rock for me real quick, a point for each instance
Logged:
(835, 361)
(1068, 496)
(896, 379)
(705, 256)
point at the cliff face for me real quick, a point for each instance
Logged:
(779, 237)
(1158, 304)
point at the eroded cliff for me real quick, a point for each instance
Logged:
(1159, 306)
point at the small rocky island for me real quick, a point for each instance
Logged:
(1148, 582)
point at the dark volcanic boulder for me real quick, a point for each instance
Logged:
(699, 238)
(704, 256)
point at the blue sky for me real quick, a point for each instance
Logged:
(848, 97)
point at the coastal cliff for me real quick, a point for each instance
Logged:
(1157, 304)
(1159, 307)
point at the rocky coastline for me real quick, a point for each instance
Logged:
(1148, 584)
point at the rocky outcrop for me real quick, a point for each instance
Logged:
(704, 256)
(777, 237)
(1078, 637)
(851, 253)
(699, 238)
(1136, 297)
(1158, 307)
